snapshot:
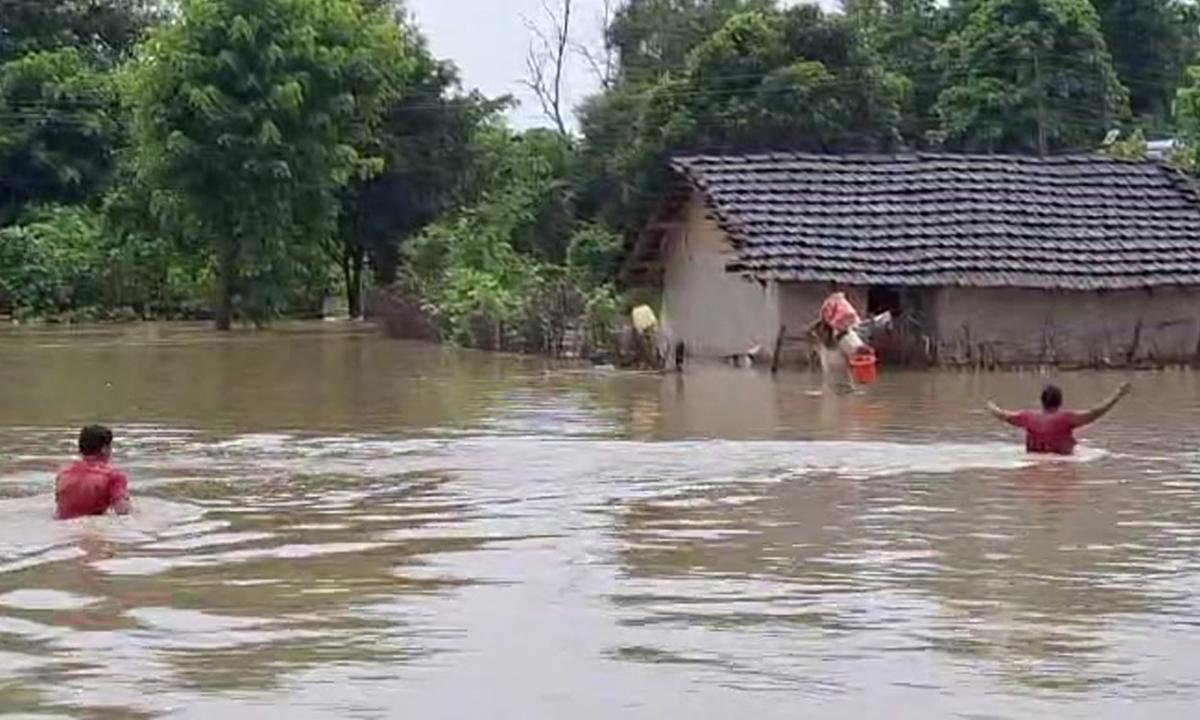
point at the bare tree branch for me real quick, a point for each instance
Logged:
(546, 63)
(602, 61)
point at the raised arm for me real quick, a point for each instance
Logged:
(1002, 414)
(1104, 408)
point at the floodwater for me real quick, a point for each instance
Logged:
(334, 525)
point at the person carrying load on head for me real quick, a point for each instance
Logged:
(842, 334)
(647, 330)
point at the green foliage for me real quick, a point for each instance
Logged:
(59, 126)
(592, 255)
(1129, 148)
(1187, 122)
(509, 270)
(907, 37)
(263, 152)
(795, 79)
(40, 262)
(70, 262)
(1030, 76)
(467, 266)
(106, 30)
(254, 114)
(604, 315)
(426, 139)
(653, 38)
(1152, 43)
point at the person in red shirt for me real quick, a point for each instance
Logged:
(90, 486)
(1052, 431)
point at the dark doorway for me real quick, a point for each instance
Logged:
(884, 299)
(889, 345)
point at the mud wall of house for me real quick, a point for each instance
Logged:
(716, 313)
(997, 327)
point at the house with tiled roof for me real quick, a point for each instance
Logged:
(985, 259)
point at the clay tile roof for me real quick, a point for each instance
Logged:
(1078, 222)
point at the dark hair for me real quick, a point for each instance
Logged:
(1052, 397)
(93, 439)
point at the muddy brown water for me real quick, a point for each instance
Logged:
(334, 525)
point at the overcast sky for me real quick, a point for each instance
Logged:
(489, 41)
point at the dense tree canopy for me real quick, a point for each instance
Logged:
(795, 78)
(906, 36)
(1152, 43)
(59, 128)
(1032, 76)
(426, 140)
(254, 113)
(655, 37)
(267, 153)
(103, 30)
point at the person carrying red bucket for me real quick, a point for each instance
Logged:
(840, 332)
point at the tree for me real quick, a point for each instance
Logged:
(1152, 44)
(907, 36)
(60, 124)
(601, 61)
(794, 79)
(253, 114)
(104, 30)
(654, 37)
(1186, 115)
(427, 140)
(512, 267)
(609, 158)
(1029, 76)
(546, 64)
(50, 262)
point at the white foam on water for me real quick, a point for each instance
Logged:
(258, 441)
(38, 599)
(156, 565)
(215, 540)
(853, 459)
(27, 477)
(30, 536)
(316, 454)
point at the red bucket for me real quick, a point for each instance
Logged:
(864, 367)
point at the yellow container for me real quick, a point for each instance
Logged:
(644, 318)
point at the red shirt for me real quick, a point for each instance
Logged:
(89, 487)
(1048, 433)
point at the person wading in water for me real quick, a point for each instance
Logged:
(1052, 431)
(91, 486)
(839, 334)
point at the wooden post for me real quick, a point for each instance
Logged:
(775, 359)
(1196, 357)
(1134, 346)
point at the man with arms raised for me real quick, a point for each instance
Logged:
(1052, 431)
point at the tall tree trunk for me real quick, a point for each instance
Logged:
(226, 282)
(352, 273)
(385, 260)
(355, 289)
(347, 280)
(1042, 145)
